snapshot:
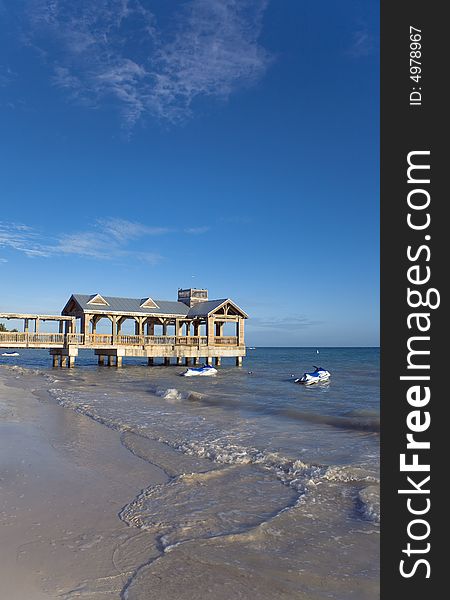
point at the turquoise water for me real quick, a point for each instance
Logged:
(265, 455)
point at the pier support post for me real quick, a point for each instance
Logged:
(63, 361)
(218, 361)
(101, 360)
(187, 362)
(179, 360)
(209, 361)
(71, 362)
(150, 361)
(109, 360)
(118, 361)
(166, 361)
(55, 360)
(196, 361)
(239, 361)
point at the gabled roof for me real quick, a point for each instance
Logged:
(78, 303)
(203, 309)
(98, 300)
(148, 303)
(128, 305)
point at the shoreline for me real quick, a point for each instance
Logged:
(64, 479)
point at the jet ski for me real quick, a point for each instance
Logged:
(10, 354)
(205, 371)
(319, 374)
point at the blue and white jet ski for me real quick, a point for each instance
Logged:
(319, 374)
(205, 371)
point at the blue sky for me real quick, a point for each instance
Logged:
(233, 145)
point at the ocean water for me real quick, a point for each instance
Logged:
(267, 478)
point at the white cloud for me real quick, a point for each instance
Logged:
(363, 43)
(21, 238)
(214, 52)
(291, 323)
(114, 49)
(197, 230)
(108, 239)
(123, 230)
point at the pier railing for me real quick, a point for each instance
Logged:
(9, 339)
(50, 339)
(227, 340)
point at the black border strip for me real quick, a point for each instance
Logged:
(407, 128)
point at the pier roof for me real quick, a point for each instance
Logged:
(96, 303)
(128, 305)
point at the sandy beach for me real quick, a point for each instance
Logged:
(117, 484)
(63, 481)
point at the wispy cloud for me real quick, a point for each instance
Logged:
(123, 230)
(21, 238)
(214, 51)
(197, 230)
(363, 44)
(7, 75)
(115, 50)
(289, 323)
(108, 239)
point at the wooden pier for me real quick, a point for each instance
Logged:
(191, 329)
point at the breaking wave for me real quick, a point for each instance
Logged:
(296, 474)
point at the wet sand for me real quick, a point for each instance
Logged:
(63, 481)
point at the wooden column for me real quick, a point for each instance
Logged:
(240, 336)
(113, 331)
(210, 331)
(61, 327)
(139, 326)
(95, 320)
(85, 321)
(178, 328)
(120, 322)
(26, 326)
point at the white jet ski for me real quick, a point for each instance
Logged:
(319, 374)
(10, 354)
(205, 371)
